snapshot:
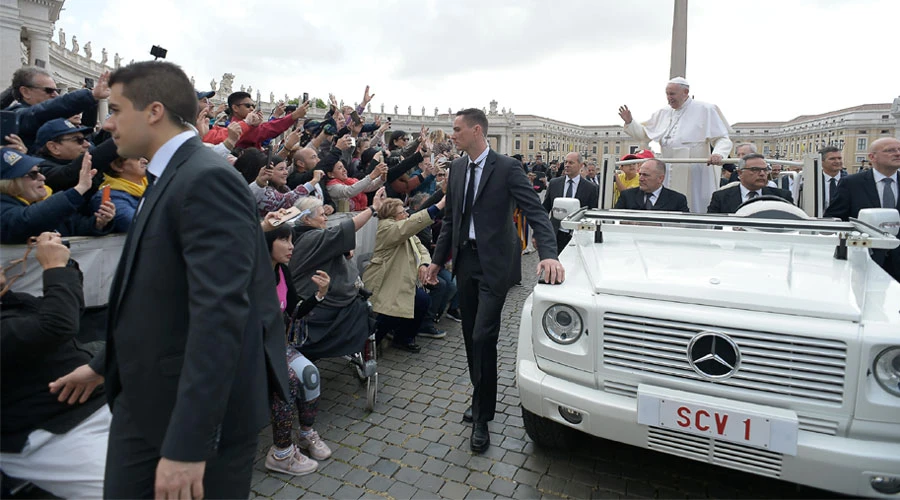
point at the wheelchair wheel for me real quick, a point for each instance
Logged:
(371, 392)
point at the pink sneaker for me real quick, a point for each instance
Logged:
(297, 464)
(314, 445)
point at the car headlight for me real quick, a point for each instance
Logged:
(562, 324)
(887, 370)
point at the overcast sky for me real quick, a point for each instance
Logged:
(577, 61)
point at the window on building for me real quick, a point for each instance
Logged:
(518, 145)
(885, 117)
(860, 159)
(594, 150)
(633, 149)
(530, 144)
(766, 150)
(606, 149)
(618, 149)
(862, 131)
(885, 132)
(862, 143)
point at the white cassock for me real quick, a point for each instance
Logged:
(688, 132)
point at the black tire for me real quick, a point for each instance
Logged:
(547, 433)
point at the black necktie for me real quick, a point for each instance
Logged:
(467, 205)
(648, 205)
(751, 195)
(832, 187)
(786, 183)
(569, 189)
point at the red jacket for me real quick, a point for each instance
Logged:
(251, 136)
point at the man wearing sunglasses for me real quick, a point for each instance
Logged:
(255, 131)
(753, 172)
(38, 100)
(62, 145)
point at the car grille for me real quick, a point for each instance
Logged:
(706, 449)
(802, 368)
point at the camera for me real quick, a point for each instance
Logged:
(89, 83)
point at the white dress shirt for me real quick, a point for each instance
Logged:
(745, 192)
(482, 158)
(879, 185)
(575, 182)
(654, 196)
(828, 193)
(163, 156)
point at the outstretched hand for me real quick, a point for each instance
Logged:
(625, 114)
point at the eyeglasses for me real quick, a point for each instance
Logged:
(33, 175)
(79, 140)
(48, 90)
(248, 105)
(756, 170)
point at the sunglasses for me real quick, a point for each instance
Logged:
(33, 175)
(79, 140)
(248, 105)
(48, 90)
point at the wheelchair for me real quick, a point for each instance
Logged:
(364, 362)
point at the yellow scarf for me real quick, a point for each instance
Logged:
(49, 192)
(120, 184)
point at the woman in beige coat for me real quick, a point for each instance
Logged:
(396, 272)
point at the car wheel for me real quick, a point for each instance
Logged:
(547, 433)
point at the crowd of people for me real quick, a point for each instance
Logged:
(227, 213)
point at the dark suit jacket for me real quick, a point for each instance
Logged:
(195, 333)
(727, 201)
(668, 200)
(503, 186)
(587, 193)
(854, 193)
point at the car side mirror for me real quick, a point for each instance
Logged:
(885, 219)
(564, 207)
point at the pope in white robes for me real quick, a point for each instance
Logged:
(686, 129)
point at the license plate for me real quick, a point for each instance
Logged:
(751, 425)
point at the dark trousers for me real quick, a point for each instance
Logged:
(405, 328)
(562, 239)
(480, 308)
(131, 463)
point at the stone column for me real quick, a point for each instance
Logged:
(504, 143)
(678, 64)
(10, 34)
(40, 47)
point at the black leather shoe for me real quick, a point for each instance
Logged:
(467, 415)
(481, 438)
(413, 348)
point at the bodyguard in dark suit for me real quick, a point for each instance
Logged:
(753, 171)
(832, 172)
(479, 233)
(195, 343)
(651, 194)
(875, 188)
(570, 185)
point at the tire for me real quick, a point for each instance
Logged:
(547, 433)
(371, 392)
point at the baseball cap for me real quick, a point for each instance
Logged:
(208, 94)
(641, 154)
(53, 129)
(15, 164)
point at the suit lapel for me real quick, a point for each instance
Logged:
(870, 189)
(486, 172)
(734, 199)
(140, 221)
(662, 199)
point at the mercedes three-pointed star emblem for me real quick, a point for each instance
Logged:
(713, 355)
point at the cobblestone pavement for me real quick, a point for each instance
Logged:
(414, 445)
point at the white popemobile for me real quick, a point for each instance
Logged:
(765, 341)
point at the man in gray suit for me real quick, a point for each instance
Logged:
(479, 233)
(195, 340)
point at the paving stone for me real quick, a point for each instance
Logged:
(379, 483)
(392, 452)
(385, 467)
(453, 489)
(435, 466)
(479, 480)
(456, 473)
(413, 459)
(349, 492)
(401, 490)
(269, 486)
(291, 492)
(364, 460)
(437, 450)
(504, 487)
(334, 468)
(503, 470)
(357, 477)
(325, 486)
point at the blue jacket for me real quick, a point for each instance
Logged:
(126, 206)
(57, 213)
(32, 117)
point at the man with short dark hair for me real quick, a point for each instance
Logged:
(478, 231)
(754, 176)
(651, 194)
(571, 185)
(38, 101)
(874, 188)
(243, 110)
(832, 171)
(193, 353)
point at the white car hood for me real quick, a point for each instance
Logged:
(776, 278)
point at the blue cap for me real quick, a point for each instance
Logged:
(15, 164)
(53, 129)
(207, 94)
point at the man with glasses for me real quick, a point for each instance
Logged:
(38, 100)
(255, 131)
(753, 172)
(62, 146)
(874, 188)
